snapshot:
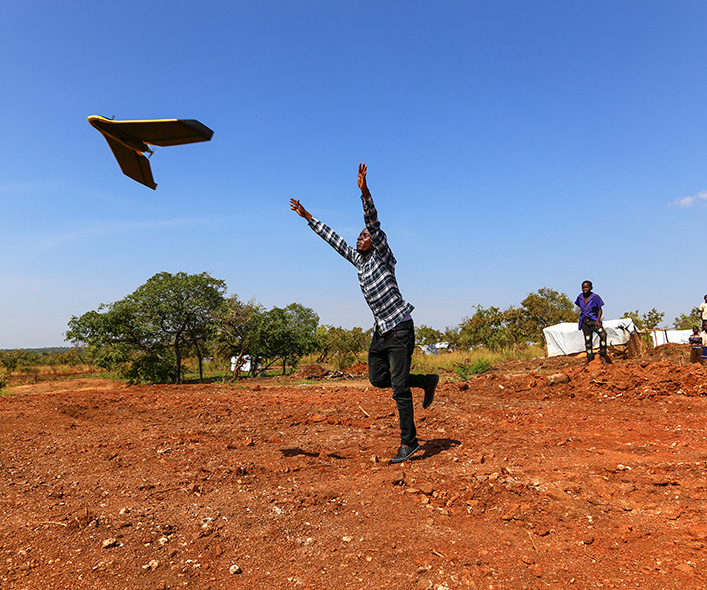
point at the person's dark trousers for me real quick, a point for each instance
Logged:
(588, 327)
(695, 355)
(389, 360)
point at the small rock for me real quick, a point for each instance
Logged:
(235, 569)
(153, 564)
(112, 542)
(685, 568)
(399, 479)
(558, 378)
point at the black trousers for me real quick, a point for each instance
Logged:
(589, 327)
(389, 360)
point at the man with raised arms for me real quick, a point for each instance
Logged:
(390, 354)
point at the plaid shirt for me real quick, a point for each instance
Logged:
(376, 271)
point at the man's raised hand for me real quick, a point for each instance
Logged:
(296, 206)
(362, 169)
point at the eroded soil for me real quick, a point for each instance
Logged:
(595, 481)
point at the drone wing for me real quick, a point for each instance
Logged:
(132, 163)
(164, 132)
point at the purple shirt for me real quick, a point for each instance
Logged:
(590, 309)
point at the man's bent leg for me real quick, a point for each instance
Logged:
(378, 363)
(588, 330)
(602, 340)
(400, 343)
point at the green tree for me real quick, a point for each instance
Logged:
(236, 323)
(341, 345)
(688, 321)
(647, 321)
(70, 357)
(543, 308)
(452, 334)
(158, 321)
(426, 335)
(285, 334)
(514, 326)
(9, 359)
(485, 328)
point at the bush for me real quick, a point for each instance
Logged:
(148, 369)
(476, 368)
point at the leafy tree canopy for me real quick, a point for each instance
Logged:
(426, 335)
(647, 321)
(688, 321)
(159, 319)
(515, 326)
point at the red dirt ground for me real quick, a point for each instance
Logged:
(597, 481)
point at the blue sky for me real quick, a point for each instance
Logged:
(511, 145)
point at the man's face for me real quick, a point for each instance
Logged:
(586, 288)
(363, 243)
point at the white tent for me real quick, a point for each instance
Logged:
(433, 348)
(672, 336)
(567, 338)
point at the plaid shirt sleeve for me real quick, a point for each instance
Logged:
(378, 237)
(334, 240)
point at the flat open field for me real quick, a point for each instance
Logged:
(596, 481)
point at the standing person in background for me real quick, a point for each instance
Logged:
(390, 354)
(590, 305)
(695, 340)
(703, 312)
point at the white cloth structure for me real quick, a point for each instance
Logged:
(670, 336)
(567, 338)
(433, 348)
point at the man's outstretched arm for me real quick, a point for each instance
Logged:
(370, 218)
(325, 232)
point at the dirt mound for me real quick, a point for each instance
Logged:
(359, 369)
(312, 372)
(673, 352)
(544, 474)
(638, 379)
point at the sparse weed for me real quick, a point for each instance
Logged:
(479, 366)
(470, 362)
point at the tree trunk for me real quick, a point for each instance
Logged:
(178, 362)
(239, 364)
(199, 355)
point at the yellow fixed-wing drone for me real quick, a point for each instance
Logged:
(129, 140)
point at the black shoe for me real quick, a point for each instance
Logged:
(432, 381)
(405, 452)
